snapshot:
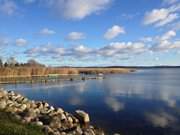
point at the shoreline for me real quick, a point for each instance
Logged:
(53, 121)
(45, 75)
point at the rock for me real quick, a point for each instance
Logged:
(39, 105)
(45, 104)
(70, 119)
(55, 121)
(62, 117)
(82, 116)
(3, 104)
(23, 107)
(18, 117)
(28, 119)
(59, 110)
(47, 130)
(79, 130)
(2, 93)
(39, 123)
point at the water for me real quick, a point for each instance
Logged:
(146, 102)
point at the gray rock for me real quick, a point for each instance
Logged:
(55, 123)
(62, 116)
(39, 123)
(23, 107)
(3, 104)
(82, 116)
(79, 131)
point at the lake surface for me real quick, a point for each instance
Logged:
(146, 102)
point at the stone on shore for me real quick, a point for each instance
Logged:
(3, 104)
(54, 121)
(82, 116)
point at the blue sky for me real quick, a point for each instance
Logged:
(91, 32)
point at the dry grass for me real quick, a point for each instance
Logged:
(30, 71)
(42, 71)
(104, 70)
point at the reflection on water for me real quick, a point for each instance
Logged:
(146, 102)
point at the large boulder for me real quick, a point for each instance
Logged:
(3, 104)
(82, 116)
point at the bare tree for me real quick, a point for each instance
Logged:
(33, 62)
(11, 61)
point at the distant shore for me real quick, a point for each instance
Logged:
(46, 74)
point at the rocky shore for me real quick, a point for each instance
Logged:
(54, 121)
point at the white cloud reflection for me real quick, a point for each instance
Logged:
(161, 119)
(114, 104)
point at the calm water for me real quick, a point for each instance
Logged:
(143, 103)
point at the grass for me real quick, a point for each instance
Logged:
(11, 126)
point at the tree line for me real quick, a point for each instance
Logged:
(12, 62)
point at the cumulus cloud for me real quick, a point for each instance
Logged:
(146, 39)
(119, 48)
(113, 50)
(77, 9)
(163, 16)
(114, 32)
(47, 32)
(21, 42)
(7, 7)
(164, 42)
(81, 51)
(75, 36)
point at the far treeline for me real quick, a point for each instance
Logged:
(12, 62)
(13, 68)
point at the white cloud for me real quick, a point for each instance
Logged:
(46, 32)
(114, 32)
(114, 50)
(77, 9)
(21, 42)
(120, 48)
(75, 36)
(165, 42)
(146, 39)
(168, 35)
(163, 16)
(169, 1)
(7, 7)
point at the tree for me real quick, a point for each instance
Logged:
(33, 62)
(1, 63)
(5, 64)
(11, 61)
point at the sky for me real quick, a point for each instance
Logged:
(91, 32)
